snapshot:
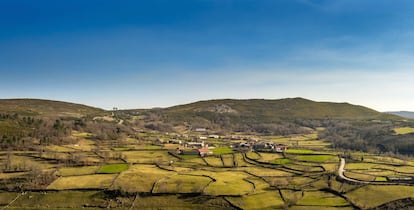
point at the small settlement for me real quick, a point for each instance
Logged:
(202, 144)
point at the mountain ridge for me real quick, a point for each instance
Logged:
(45, 107)
(405, 114)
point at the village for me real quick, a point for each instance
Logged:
(201, 143)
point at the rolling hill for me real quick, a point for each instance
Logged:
(262, 110)
(46, 108)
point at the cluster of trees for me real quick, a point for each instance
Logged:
(368, 137)
(27, 132)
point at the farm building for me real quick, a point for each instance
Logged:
(204, 152)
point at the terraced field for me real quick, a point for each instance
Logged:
(300, 178)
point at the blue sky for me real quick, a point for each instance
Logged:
(158, 53)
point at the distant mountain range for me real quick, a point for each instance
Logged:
(405, 114)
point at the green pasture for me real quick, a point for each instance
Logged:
(265, 200)
(253, 155)
(189, 157)
(299, 151)
(260, 185)
(374, 195)
(316, 158)
(281, 161)
(113, 168)
(222, 150)
(403, 130)
(240, 162)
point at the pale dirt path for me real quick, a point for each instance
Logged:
(341, 174)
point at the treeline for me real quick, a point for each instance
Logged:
(27, 132)
(219, 122)
(368, 137)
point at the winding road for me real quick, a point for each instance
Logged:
(341, 174)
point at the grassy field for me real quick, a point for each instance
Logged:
(228, 160)
(148, 156)
(318, 198)
(144, 177)
(113, 168)
(214, 161)
(182, 184)
(76, 171)
(265, 200)
(97, 181)
(222, 150)
(403, 130)
(268, 157)
(55, 148)
(371, 196)
(240, 162)
(227, 183)
(316, 158)
(281, 161)
(177, 202)
(61, 200)
(299, 151)
(253, 155)
(7, 197)
(265, 172)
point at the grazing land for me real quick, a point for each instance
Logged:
(147, 159)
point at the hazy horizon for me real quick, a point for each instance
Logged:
(134, 54)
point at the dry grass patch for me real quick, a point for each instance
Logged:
(228, 160)
(227, 183)
(197, 160)
(359, 176)
(148, 156)
(182, 184)
(56, 148)
(75, 171)
(262, 172)
(214, 161)
(96, 181)
(140, 178)
(240, 162)
(318, 198)
(267, 157)
(60, 200)
(7, 197)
